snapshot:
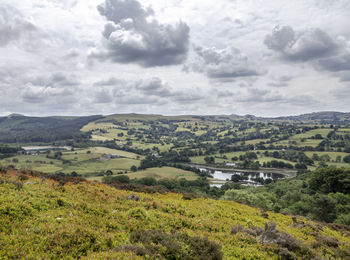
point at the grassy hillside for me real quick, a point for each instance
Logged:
(43, 218)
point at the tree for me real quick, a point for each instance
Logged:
(323, 208)
(315, 157)
(326, 180)
(109, 173)
(346, 159)
(209, 159)
(325, 158)
(236, 178)
(251, 155)
(133, 168)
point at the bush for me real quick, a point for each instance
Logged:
(176, 246)
(148, 181)
(23, 177)
(236, 229)
(119, 179)
(282, 239)
(343, 219)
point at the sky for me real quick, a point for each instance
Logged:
(84, 57)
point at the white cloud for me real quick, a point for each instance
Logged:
(132, 35)
(46, 67)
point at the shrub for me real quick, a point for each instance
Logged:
(236, 229)
(254, 231)
(189, 196)
(138, 250)
(118, 179)
(324, 240)
(148, 181)
(272, 235)
(176, 246)
(23, 177)
(138, 187)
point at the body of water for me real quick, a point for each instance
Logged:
(246, 177)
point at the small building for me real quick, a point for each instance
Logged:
(110, 156)
(231, 164)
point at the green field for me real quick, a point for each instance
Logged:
(84, 161)
(163, 172)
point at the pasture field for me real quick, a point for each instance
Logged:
(162, 147)
(88, 161)
(163, 172)
(333, 155)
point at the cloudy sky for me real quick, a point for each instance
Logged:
(81, 57)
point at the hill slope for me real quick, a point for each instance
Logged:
(325, 117)
(18, 128)
(43, 218)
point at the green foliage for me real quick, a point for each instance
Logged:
(7, 151)
(328, 180)
(322, 195)
(346, 159)
(83, 220)
(209, 159)
(118, 178)
(42, 129)
(263, 200)
(176, 246)
(148, 181)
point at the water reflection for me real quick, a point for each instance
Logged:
(255, 178)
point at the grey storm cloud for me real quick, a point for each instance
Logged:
(132, 35)
(146, 91)
(58, 79)
(14, 27)
(337, 63)
(278, 84)
(103, 96)
(255, 95)
(344, 77)
(40, 94)
(112, 81)
(154, 87)
(224, 64)
(282, 81)
(301, 45)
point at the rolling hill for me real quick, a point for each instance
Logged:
(17, 128)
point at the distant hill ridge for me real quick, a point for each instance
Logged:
(16, 128)
(314, 116)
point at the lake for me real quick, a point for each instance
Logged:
(246, 177)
